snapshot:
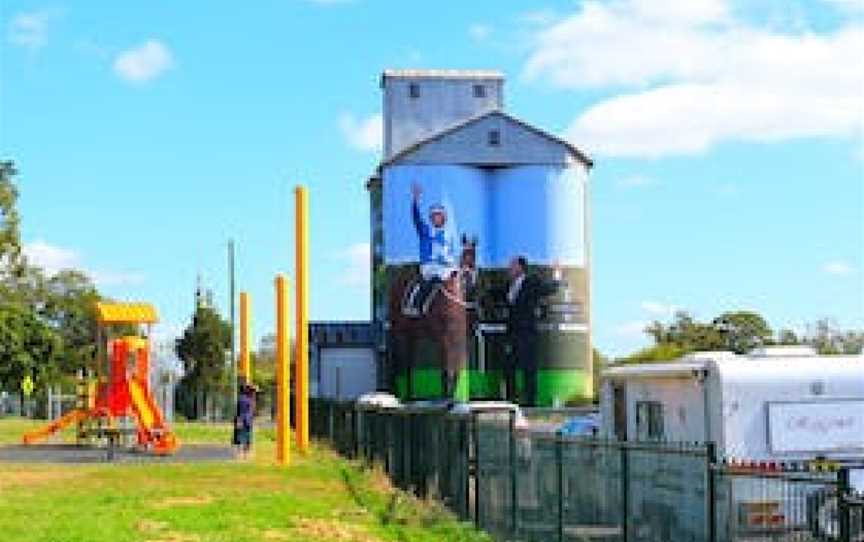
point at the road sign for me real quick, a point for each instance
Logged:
(27, 386)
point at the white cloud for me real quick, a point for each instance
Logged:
(479, 31)
(700, 77)
(53, 259)
(356, 259)
(363, 134)
(49, 257)
(30, 30)
(116, 278)
(838, 268)
(851, 6)
(143, 63)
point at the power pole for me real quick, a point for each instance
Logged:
(233, 376)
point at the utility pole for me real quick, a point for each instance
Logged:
(233, 376)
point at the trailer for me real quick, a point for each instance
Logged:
(776, 403)
(775, 408)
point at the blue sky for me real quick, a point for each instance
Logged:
(727, 140)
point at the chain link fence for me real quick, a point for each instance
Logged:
(520, 485)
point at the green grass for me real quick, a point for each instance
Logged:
(318, 498)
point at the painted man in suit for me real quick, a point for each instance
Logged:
(524, 294)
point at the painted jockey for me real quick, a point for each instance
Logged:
(437, 247)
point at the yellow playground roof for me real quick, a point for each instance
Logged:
(126, 313)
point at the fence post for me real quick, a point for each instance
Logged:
(331, 408)
(475, 437)
(843, 510)
(514, 495)
(559, 463)
(464, 433)
(711, 490)
(625, 492)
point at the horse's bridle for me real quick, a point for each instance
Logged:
(453, 299)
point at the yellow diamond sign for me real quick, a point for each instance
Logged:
(27, 386)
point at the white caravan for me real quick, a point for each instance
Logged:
(775, 404)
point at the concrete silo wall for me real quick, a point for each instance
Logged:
(535, 211)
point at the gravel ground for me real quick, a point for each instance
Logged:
(70, 453)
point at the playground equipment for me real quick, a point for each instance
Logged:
(120, 393)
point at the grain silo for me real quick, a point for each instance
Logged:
(462, 188)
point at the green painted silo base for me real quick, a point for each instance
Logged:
(559, 386)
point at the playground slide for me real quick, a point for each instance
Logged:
(73, 416)
(150, 420)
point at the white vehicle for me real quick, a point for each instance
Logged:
(776, 406)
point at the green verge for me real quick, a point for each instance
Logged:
(319, 498)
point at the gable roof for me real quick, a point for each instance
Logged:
(573, 150)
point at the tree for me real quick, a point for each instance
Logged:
(656, 353)
(10, 235)
(787, 337)
(202, 348)
(741, 331)
(28, 346)
(70, 309)
(825, 336)
(686, 333)
(737, 331)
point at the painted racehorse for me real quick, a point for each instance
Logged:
(447, 322)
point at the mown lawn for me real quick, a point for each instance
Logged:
(319, 498)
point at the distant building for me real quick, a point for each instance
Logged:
(342, 362)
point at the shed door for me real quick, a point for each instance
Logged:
(619, 405)
(346, 373)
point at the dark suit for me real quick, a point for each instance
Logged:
(522, 335)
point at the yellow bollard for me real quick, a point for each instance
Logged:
(244, 370)
(283, 368)
(301, 356)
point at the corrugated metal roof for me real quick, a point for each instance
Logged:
(750, 369)
(463, 123)
(126, 313)
(442, 74)
(649, 370)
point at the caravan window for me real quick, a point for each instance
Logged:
(649, 420)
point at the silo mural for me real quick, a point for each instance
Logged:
(449, 233)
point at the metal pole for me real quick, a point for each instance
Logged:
(514, 496)
(283, 368)
(301, 357)
(245, 368)
(233, 322)
(475, 434)
(711, 490)
(625, 497)
(559, 461)
(843, 510)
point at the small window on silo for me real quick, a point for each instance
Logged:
(414, 90)
(479, 91)
(494, 137)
